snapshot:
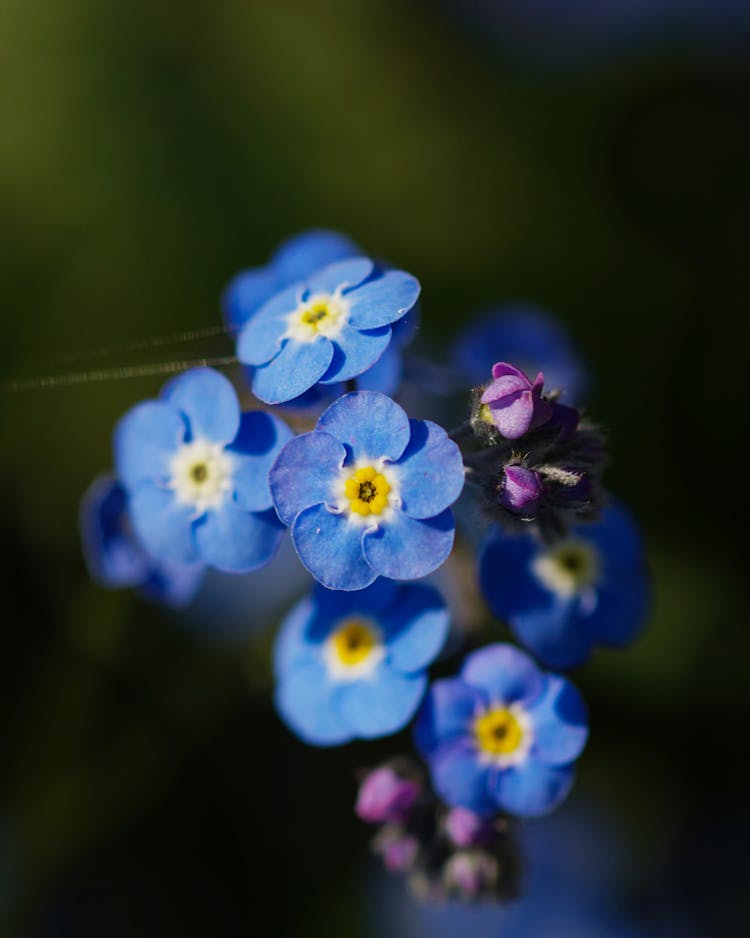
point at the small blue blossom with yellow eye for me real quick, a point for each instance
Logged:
(352, 665)
(367, 493)
(114, 557)
(502, 736)
(589, 588)
(328, 328)
(196, 473)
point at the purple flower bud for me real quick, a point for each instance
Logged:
(397, 848)
(466, 829)
(385, 796)
(520, 489)
(470, 873)
(516, 405)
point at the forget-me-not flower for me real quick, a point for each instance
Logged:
(502, 736)
(196, 472)
(352, 665)
(115, 558)
(590, 588)
(367, 493)
(329, 328)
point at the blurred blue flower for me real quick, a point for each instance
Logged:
(591, 588)
(352, 665)
(503, 735)
(529, 338)
(196, 473)
(329, 328)
(114, 557)
(367, 493)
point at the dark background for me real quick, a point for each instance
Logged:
(498, 151)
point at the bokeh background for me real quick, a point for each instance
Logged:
(590, 157)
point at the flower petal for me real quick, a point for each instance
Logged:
(162, 524)
(460, 779)
(291, 646)
(260, 339)
(259, 441)
(406, 548)
(237, 541)
(301, 256)
(305, 472)
(340, 276)
(208, 402)
(173, 584)
(385, 374)
(504, 673)
(304, 700)
(383, 300)
(430, 471)
(447, 713)
(560, 722)
(354, 352)
(416, 627)
(145, 440)
(246, 293)
(370, 424)
(330, 547)
(382, 704)
(297, 367)
(532, 789)
(112, 554)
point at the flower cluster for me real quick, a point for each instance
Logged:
(366, 495)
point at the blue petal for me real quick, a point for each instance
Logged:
(305, 472)
(302, 255)
(163, 525)
(304, 699)
(560, 722)
(533, 788)
(261, 337)
(297, 367)
(237, 541)
(355, 352)
(385, 374)
(616, 536)
(406, 549)
(447, 713)
(415, 627)
(259, 441)
(246, 293)
(376, 600)
(330, 547)
(430, 472)
(113, 556)
(382, 704)
(504, 673)
(340, 276)
(291, 646)
(622, 605)
(371, 425)
(173, 584)
(208, 402)
(383, 300)
(145, 440)
(460, 779)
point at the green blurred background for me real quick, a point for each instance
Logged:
(148, 152)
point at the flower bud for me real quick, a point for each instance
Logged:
(466, 829)
(397, 848)
(384, 795)
(520, 489)
(516, 405)
(471, 873)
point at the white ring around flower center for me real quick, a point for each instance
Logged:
(567, 569)
(342, 502)
(323, 314)
(201, 474)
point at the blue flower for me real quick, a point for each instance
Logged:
(329, 328)
(529, 338)
(502, 736)
(196, 472)
(352, 665)
(591, 588)
(367, 493)
(114, 557)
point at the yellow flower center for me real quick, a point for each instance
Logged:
(569, 568)
(367, 491)
(498, 732)
(353, 650)
(201, 474)
(322, 314)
